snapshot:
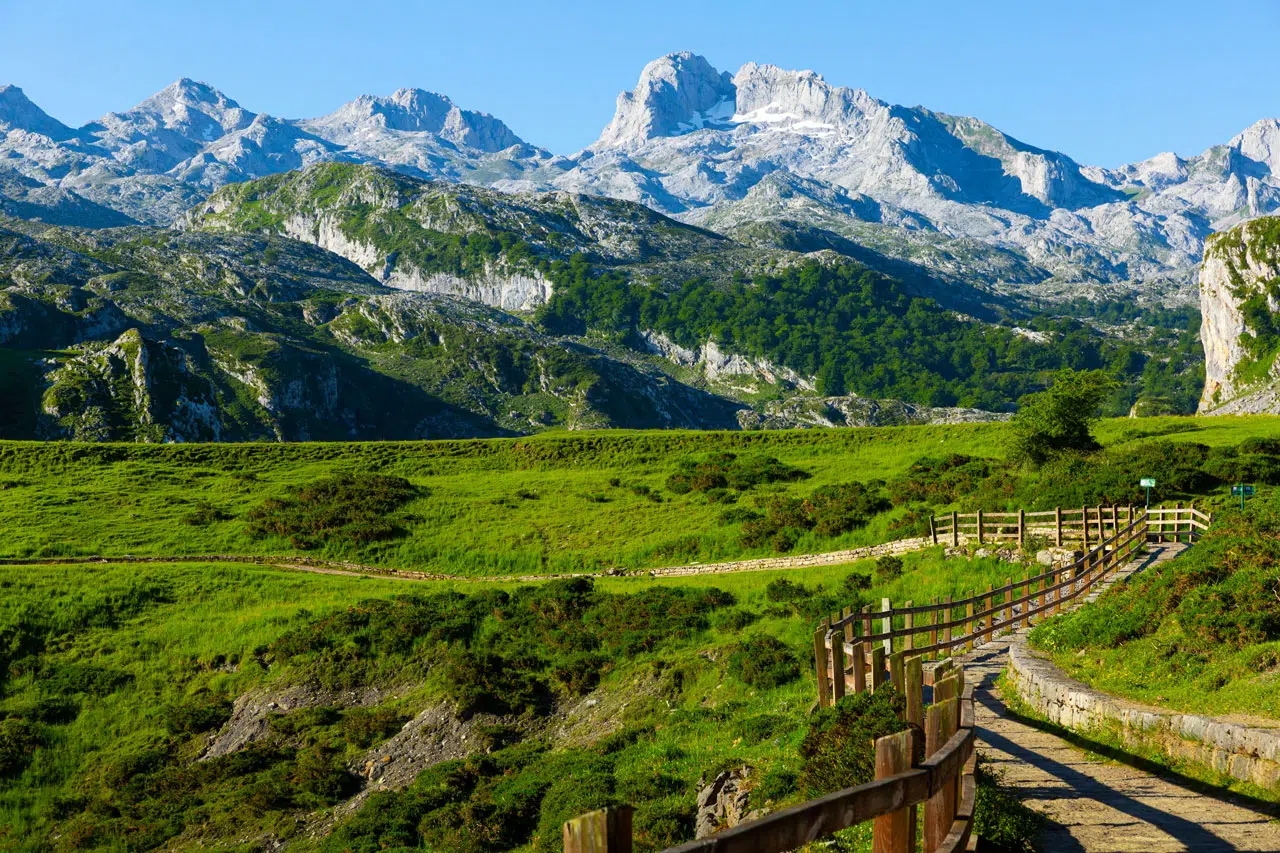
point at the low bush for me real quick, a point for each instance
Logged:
(350, 508)
(721, 471)
(198, 714)
(828, 511)
(491, 683)
(888, 568)
(19, 740)
(838, 751)
(764, 662)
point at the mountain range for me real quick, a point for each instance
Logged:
(766, 156)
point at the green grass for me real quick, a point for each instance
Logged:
(552, 503)
(1200, 634)
(181, 632)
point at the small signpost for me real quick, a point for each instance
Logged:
(1242, 491)
(1148, 483)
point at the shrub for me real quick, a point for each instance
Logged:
(761, 727)
(352, 508)
(205, 514)
(764, 662)
(777, 784)
(363, 727)
(721, 471)
(734, 619)
(838, 751)
(828, 511)
(888, 568)
(198, 714)
(19, 740)
(855, 582)
(487, 682)
(781, 589)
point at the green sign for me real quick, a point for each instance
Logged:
(1147, 483)
(1242, 491)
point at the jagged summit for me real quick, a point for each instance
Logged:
(17, 112)
(676, 92)
(415, 111)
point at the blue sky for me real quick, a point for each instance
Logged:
(1107, 83)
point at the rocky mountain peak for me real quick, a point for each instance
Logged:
(676, 93)
(17, 112)
(189, 108)
(1261, 142)
(767, 93)
(418, 111)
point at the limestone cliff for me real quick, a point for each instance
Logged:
(1240, 329)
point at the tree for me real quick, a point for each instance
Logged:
(1058, 419)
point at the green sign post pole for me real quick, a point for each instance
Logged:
(1243, 491)
(1147, 483)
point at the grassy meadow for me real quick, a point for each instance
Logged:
(104, 657)
(547, 504)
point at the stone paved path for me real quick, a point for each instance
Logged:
(1102, 806)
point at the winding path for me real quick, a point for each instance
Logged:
(1101, 806)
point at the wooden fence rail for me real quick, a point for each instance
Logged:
(938, 774)
(850, 655)
(1058, 527)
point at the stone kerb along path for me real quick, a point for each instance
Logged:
(1091, 803)
(1248, 753)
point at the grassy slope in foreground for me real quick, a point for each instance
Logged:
(551, 503)
(1200, 634)
(107, 654)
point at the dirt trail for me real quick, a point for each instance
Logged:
(1103, 806)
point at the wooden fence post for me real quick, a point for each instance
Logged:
(1102, 531)
(820, 665)
(894, 832)
(955, 529)
(914, 675)
(866, 620)
(859, 655)
(604, 831)
(940, 723)
(934, 619)
(909, 624)
(1057, 523)
(896, 671)
(979, 527)
(877, 667)
(1006, 612)
(1022, 529)
(886, 625)
(837, 667)
(968, 625)
(1084, 515)
(990, 607)
(946, 617)
(933, 531)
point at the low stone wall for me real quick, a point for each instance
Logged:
(831, 558)
(1243, 752)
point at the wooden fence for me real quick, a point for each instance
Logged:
(936, 770)
(1087, 525)
(929, 764)
(852, 648)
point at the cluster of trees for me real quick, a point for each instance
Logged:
(856, 330)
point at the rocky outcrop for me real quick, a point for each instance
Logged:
(724, 802)
(810, 412)
(740, 373)
(1240, 319)
(134, 389)
(1248, 753)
